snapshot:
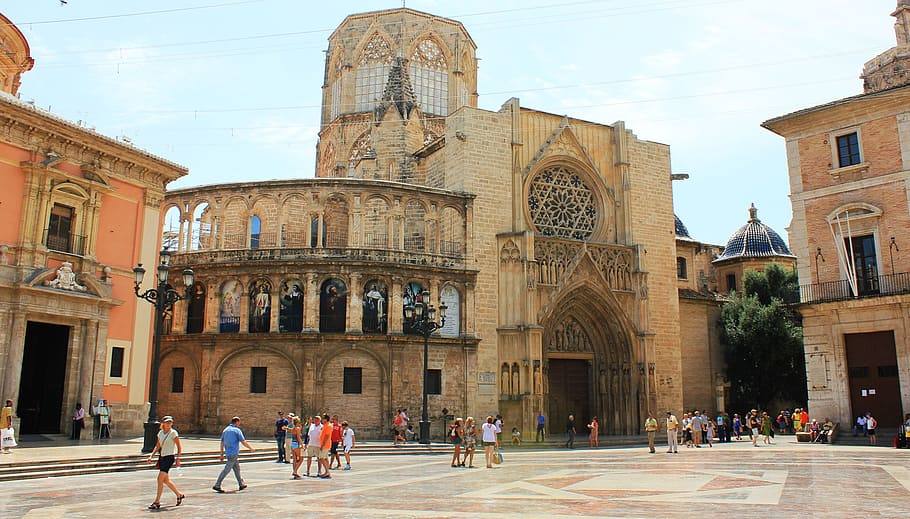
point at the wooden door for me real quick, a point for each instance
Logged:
(569, 393)
(874, 382)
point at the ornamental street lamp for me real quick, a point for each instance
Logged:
(163, 298)
(422, 315)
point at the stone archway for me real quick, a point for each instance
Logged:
(588, 364)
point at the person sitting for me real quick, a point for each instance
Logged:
(827, 430)
(814, 429)
(516, 436)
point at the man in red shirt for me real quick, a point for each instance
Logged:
(325, 445)
(336, 440)
(804, 418)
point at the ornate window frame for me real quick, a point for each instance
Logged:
(594, 183)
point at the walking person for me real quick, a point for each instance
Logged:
(723, 434)
(672, 431)
(541, 426)
(78, 422)
(8, 435)
(709, 432)
(697, 424)
(594, 436)
(281, 433)
(871, 426)
(766, 428)
(456, 436)
(231, 439)
(687, 430)
(325, 446)
(737, 426)
(312, 450)
(398, 427)
(470, 442)
(860, 426)
(347, 442)
(287, 437)
(489, 441)
(296, 433)
(754, 424)
(334, 455)
(498, 423)
(651, 427)
(570, 432)
(169, 450)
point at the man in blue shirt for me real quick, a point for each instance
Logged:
(231, 438)
(281, 428)
(541, 425)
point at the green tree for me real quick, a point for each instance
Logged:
(763, 343)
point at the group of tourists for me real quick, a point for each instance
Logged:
(102, 415)
(319, 436)
(464, 435)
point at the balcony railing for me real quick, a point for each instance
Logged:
(69, 243)
(315, 254)
(229, 324)
(878, 286)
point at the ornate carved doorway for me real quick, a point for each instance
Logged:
(570, 389)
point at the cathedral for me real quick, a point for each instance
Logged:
(570, 285)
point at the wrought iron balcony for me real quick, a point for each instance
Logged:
(877, 286)
(69, 243)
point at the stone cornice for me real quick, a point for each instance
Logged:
(310, 183)
(844, 187)
(26, 127)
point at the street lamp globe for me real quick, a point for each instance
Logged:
(162, 272)
(139, 272)
(409, 312)
(188, 278)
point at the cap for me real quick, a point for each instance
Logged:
(167, 419)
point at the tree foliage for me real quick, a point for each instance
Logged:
(763, 342)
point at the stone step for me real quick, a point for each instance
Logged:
(101, 465)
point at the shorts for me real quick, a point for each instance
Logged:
(456, 441)
(334, 449)
(166, 462)
(870, 432)
(347, 449)
(312, 451)
(295, 445)
(755, 431)
(323, 454)
(489, 444)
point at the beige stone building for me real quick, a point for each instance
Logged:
(80, 210)
(548, 237)
(849, 163)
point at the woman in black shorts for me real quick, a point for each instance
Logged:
(169, 450)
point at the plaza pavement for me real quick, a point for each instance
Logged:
(783, 480)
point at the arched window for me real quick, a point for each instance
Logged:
(681, 270)
(333, 299)
(335, 223)
(415, 227)
(195, 310)
(450, 297)
(413, 293)
(260, 306)
(255, 231)
(290, 317)
(170, 232)
(375, 223)
(201, 228)
(372, 72)
(430, 78)
(451, 232)
(375, 307)
(229, 310)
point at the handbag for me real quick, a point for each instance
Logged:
(497, 457)
(7, 438)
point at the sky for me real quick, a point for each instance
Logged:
(231, 88)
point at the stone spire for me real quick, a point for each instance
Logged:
(891, 68)
(753, 214)
(398, 91)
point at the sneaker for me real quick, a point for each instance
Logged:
(325, 476)
(242, 487)
(346, 467)
(218, 489)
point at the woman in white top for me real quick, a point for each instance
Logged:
(489, 441)
(169, 450)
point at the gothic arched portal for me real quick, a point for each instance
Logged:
(588, 364)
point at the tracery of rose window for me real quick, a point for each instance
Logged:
(561, 204)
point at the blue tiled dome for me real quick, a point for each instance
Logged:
(681, 231)
(754, 240)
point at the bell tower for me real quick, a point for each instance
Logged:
(891, 68)
(392, 78)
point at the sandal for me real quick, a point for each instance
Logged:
(155, 506)
(180, 499)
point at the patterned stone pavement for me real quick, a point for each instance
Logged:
(785, 480)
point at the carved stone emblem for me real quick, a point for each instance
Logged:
(66, 279)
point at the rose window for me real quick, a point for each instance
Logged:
(561, 204)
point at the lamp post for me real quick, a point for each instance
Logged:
(163, 299)
(422, 315)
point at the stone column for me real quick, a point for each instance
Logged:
(245, 305)
(87, 361)
(311, 304)
(275, 295)
(354, 313)
(212, 309)
(434, 292)
(470, 329)
(395, 307)
(14, 357)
